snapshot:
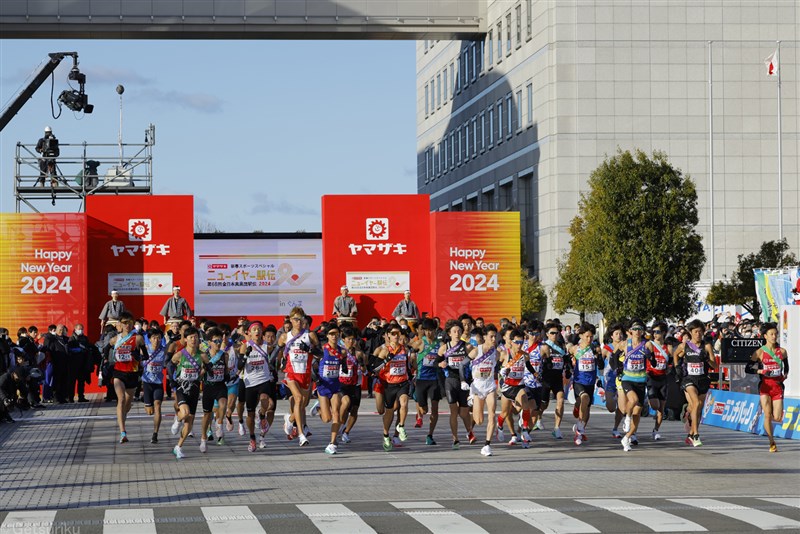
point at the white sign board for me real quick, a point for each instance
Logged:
(140, 283)
(235, 277)
(378, 282)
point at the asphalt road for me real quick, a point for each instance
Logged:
(62, 471)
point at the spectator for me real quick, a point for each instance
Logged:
(12, 390)
(79, 364)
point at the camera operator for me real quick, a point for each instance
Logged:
(12, 391)
(47, 146)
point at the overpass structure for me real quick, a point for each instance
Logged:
(242, 19)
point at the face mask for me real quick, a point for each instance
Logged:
(78, 332)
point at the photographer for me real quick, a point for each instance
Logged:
(47, 146)
(12, 390)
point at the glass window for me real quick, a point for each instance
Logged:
(445, 85)
(473, 53)
(481, 46)
(457, 77)
(490, 40)
(510, 112)
(452, 79)
(466, 141)
(483, 130)
(460, 146)
(465, 67)
(519, 109)
(518, 15)
(499, 121)
(438, 91)
(452, 150)
(530, 103)
(427, 165)
(491, 126)
(528, 17)
(499, 41)
(427, 101)
(508, 34)
(441, 159)
(474, 136)
(446, 154)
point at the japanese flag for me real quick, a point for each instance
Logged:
(772, 64)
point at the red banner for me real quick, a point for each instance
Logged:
(377, 245)
(476, 264)
(141, 246)
(42, 270)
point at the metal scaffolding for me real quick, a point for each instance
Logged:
(84, 169)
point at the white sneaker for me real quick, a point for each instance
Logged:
(525, 444)
(501, 436)
(262, 444)
(656, 435)
(241, 429)
(557, 434)
(203, 445)
(345, 438)
(486, 450)
(578, 436)
(526, 436)
(626, 424)
(538, 425)
(218, 430)
(615, 433)
(330, 449)
(514, 440)
(303, 440)
(626, 444)
(176, 425)
(315, 409)
(191, 434)
(228, 425)
(287, 425)
(178, 452)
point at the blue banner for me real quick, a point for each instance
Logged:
(742, 411)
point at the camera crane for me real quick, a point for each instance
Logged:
(74, 100)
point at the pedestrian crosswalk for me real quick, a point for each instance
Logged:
(550, 516)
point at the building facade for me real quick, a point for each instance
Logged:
(518, 118)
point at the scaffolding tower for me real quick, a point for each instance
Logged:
(84, 169)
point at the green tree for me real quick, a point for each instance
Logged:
(634, 248)
(533, 295)
(741, 288)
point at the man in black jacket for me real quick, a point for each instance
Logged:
(78, 363)
(12, 388)
(57, 345)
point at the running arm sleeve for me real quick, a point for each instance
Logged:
(752, 367)
(462, 369)
(785, 366)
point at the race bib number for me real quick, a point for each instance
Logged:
(155, 368)
(695, 369)
(429, 360)
(661, 364)
(299, 362)
(586, 365)
(454, 361)
(558, 362)
(189, 374)
(330, 370)
(218, 375)
(485, 371)
(517, 371)
(397, 368)
(636, 365)
(256, 364)
(124, 354)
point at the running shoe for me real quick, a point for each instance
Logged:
(773, 447)
(295, 433)
(241, 429)
(315, 409)
(656, 435)
(538, 425)
(330, 449)
(513, 441)
(203, 445)
(696, 441)
(401, 431)
(486, 450)
(396, 442)
(345, 438)
(500, 435)
(634, 440)
(229, 424)
(287, 426)
(576, 411)
(306, 431)
(221, 441)
(264, 425)
(418, 423)
(500, 421)
(154, 439)
(456, 445)
(303, 441)
(626, 424)
(252, 446)
(688, 439)
(387, 443)
(615, 433)
(123, 437)
(626, 444)
(217, 430)
(429, 440)
(557, 434)
(525, 444)
(262, 444)
(526, 436)
(178, 452)
(176, 425)
(209, 433)
(191, 434)
(471, 437)
(578, 438)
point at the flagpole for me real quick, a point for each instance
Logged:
(780, 146)
(711, 157)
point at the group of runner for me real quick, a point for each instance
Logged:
(469, 366)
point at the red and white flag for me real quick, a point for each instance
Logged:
(772, 64)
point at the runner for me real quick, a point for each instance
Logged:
(555, 365)
(532, 379)
(256, 378)
(331, 365)
(613, 351)
(173, 347)
(692, 360)
(427, 378)
(128, 350)
(513, 362)
(771, 363)
(396, 390)
(634, 377)
(232, 385)
(586, 361)
(153, 379)
(482, 363)
(351, 383)
(190, 369)
(298, 344)
(453, 353)
(215, 392)
(657, 368)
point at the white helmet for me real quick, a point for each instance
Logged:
(47, 129)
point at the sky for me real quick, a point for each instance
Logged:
(257, 131)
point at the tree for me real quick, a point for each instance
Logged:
(741, 288)
(533, 295)
(634, 249)
(204, 226)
